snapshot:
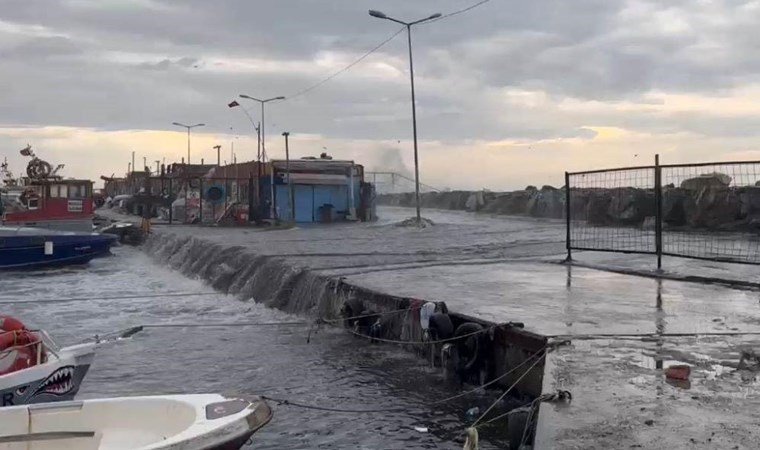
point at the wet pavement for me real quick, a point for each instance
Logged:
(507, 269)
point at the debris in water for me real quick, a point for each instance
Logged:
(471, 414)
(421, 429)
(678, 372)
(412, 222)
(749, 361)
(649, 422)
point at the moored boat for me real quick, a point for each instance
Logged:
(44, 199)
(188, 422)
(32, 248)
(33, 369)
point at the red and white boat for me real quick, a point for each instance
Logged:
(44, 199)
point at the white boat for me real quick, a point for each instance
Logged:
(56, 376)
(187, 422)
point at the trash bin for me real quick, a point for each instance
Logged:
(325, 213)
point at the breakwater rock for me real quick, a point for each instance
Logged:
(705, 202)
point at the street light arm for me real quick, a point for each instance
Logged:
(179, 124)
(250, 98)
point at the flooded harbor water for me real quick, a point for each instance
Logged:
(334, 370)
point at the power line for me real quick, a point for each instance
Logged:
(445, 16)
(348, 67)
(378, 47)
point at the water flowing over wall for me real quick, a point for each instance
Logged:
(274, 282)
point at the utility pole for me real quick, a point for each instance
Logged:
(218, 149)
(145, 163)
(158, 167)
(291, 196)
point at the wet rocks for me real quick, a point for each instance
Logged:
(714, 180)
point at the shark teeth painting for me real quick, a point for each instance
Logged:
(60, 382)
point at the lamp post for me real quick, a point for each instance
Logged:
(408, 25)
(291, 196)
(218, 154)
(189, 127)
(262, 136)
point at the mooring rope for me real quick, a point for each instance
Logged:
(363, 316)
(500, 377)
(439, 341)
(115, 297)
(288, 402)
(636, 336)
(501, 397)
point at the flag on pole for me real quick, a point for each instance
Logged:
(233, 104)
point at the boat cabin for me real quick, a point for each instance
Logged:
(56, 204)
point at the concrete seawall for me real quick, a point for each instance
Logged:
(298, 290)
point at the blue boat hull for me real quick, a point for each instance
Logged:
(29, 251)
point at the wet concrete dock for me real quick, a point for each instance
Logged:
(507, 269)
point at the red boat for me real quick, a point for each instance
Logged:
(43, 199)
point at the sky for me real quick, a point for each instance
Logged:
(509, 94)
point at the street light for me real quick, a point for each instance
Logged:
(408, 25)
(263, 138)
(291, 196)
(189, 127)
(263, 144)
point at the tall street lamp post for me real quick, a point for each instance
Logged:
(263, 139)
(291, 196)
(189, 127)
(408, 25)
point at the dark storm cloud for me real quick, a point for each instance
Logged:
(89, 67)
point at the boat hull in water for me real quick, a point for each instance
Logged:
(27, 248)
(187, 422)
(56, 380)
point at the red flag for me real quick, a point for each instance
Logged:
(233, 104)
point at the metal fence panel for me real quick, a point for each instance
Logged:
(612, 210)
(705, 211)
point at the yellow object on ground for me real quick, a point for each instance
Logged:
(472, 439)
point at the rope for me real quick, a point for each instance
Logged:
(440, 341)
(624, 336)
(283, 401)
(385, 313)
(118, 297)
(221, 324)
(527, 371)
(500, 377)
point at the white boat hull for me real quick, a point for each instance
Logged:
(172, 422)
(57, 380)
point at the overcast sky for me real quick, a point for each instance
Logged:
(508, 94)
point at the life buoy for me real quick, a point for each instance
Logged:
(18, 346)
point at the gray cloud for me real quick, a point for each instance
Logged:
(91, 68)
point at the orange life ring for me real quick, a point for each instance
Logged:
(21, 344)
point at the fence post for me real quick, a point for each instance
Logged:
(171, 202)
(200, 200)
(658, 210)
(567, 216)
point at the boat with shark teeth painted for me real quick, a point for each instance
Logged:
(33, 369)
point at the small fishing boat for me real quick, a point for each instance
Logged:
(33, 369)
(188, 422)
(32, 248)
